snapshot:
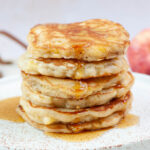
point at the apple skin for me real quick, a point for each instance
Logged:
(138, 52)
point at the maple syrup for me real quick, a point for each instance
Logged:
(8, 110)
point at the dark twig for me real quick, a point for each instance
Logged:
(4, 62)
(15, 39)
(1, 75)
(12, 37)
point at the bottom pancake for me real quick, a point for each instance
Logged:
(106, 122)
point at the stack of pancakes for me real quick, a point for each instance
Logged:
(75, 76)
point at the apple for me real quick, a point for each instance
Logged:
(138, 52)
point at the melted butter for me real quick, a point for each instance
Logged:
(128, 121)
(78, 88)
(32, 65)
(80, 73)
(102, 49)
(8, 110)
(78, 137)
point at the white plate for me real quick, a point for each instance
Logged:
(23, 136)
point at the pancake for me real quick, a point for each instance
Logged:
(102, 97)
(47, 115)
(75, 89)
(75, 128)
(74, 69)
(91, 40)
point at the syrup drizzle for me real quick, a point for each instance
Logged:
(8, 110)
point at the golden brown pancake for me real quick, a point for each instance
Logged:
(91, 40)
(74, 69)
(75, 89)
(47, 115)
(102, 97)
(75, 128)
(75, 76)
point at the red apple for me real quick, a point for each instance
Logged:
(139, 52)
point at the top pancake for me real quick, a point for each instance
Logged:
(91, 40)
